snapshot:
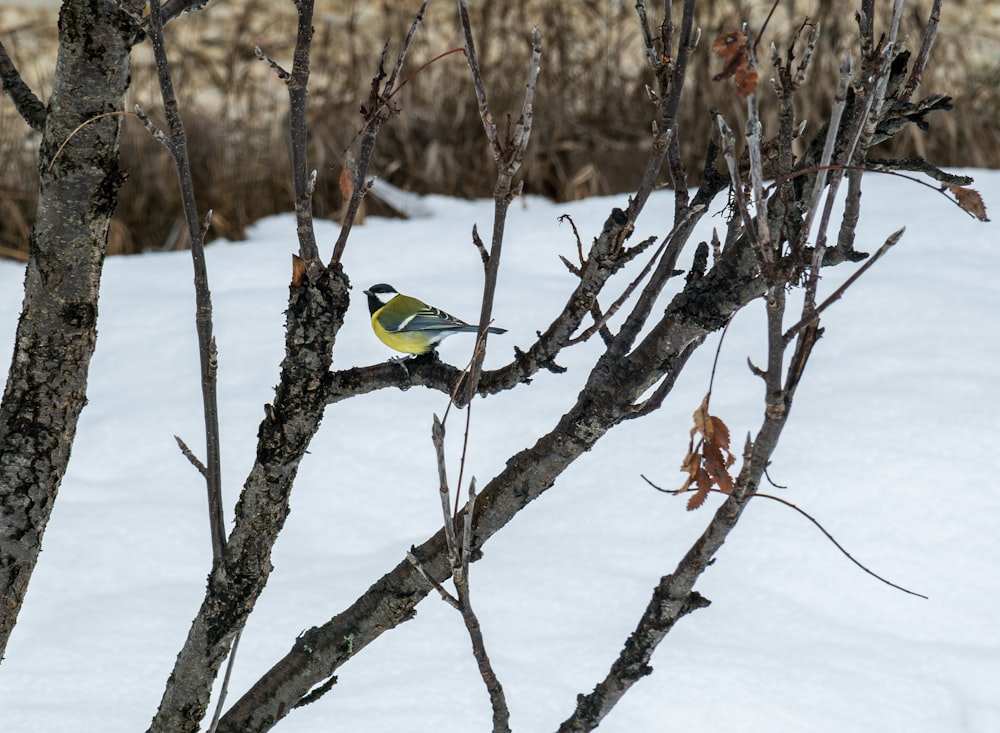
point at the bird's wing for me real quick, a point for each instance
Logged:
(426, 318)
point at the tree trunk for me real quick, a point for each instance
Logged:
(80, 180)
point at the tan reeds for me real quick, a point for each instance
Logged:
(591, 129)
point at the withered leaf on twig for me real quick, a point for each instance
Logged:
(733, 48)
(970, 200)
(708, 458)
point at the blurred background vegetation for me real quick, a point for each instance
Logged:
(592, 123)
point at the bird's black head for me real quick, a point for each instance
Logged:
(379, 295)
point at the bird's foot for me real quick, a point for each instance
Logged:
(401, 360)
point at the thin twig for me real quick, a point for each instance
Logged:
(833, 128)
(669, 245)
(472, 58)
(442, 591)
(671, 81)
(224, 689)
(715, 360)
(459, 556)
(840, 101)
(768, 249)
(839, 292)
(207, 349)
(383, 105)
(876, 167)
(465, 453)
(756, 42)
(375, 113)
(176, 142)
(437, 438)
(508, 156)
(729, 153)
(189, 454)
(815, 522)
(920, 62)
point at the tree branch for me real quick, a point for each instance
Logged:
(46, 386)
(297, 83)
(176, 142)
(507, 155)
(378, 110)
(610, 395)
(27, 104)
(459, 557)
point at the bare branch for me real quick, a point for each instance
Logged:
(224, 689)
(840, 547)
(378, 110)
(920, 62)
(665, 608)
(173, 8)
(459, 556)
(839, 102)
(485, 115)
(675, 84)
(812, 519)
(918, 165)
(192, 458)
(279, 72)
(176, 142)
(442, 591)
(437, 437)
(27, 104)
(800, 74)
(498, 701)
(298, 126)
(508, 156)
(839, 292)
(729, 153)
(769, 249)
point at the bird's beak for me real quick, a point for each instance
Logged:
(366, 292)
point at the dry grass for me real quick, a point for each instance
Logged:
(592, 120)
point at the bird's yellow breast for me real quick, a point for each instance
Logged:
(408, 342)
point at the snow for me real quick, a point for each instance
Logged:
(891, 445)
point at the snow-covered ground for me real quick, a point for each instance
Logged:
(892, 445)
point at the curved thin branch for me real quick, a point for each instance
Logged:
(812, 519)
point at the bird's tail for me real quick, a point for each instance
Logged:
(469, 328)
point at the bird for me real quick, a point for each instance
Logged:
(410, 326)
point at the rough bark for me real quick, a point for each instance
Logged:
(315, 313)
(46, 385)
(606, 400)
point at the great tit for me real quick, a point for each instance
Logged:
(410, 325)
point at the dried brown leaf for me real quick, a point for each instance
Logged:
(346, 182)
(745, 81)
(704, 484)
(702, 422)
(691, 462)
(721, 431)
(730, 44)
(708, 459)
(733, 48)
(970, 200)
